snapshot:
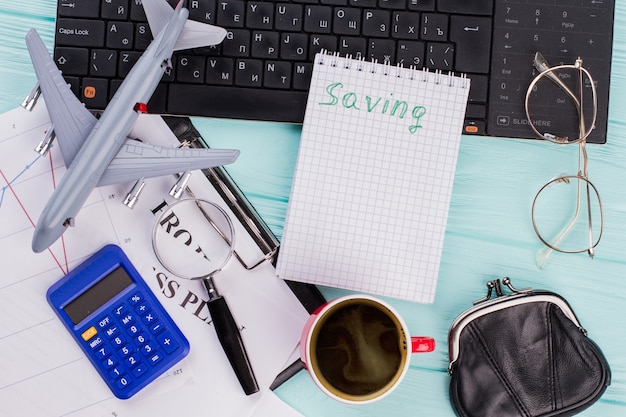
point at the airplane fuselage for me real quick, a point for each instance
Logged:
(108, 135)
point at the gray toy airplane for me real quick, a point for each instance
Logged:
(97, 151)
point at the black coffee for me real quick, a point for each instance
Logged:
(358, 349)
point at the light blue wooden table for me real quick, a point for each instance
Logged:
(489, 231)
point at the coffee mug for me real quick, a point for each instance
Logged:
(356, 348)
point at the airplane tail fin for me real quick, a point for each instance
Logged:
(194, 34)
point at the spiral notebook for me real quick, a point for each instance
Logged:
(373, 179)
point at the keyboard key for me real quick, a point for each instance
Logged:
(94, 93)
(237, 43)
(127, 60)
(230, 13)
(294, 46)
(257, 104)
(481, 7)
(381, 50)
(289, 17)
(439, 56)
(72, 61)
(347, 21)
(301, 76)
(392, 4)
(114, 9)
(83, 8)
(434, 27)
(191, 69)
(202, 11)
(249, 72)
(265, 45)
(103, 63)
(319, 42)
(79, 32)
(472, 35)
(352, 46)
(220, 71)
(363, 3)
(317, 19)
(277, 74)
(143, 36)
(376, 23)
(260, 15)
(120, 35)
(405, 25)
(421, 5)
(411, 53)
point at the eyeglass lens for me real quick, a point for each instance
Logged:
(547, 93)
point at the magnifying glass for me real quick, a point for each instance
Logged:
(194, 239)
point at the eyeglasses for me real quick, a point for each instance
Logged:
(573, 88)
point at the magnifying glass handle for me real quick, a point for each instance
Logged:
(232, 343)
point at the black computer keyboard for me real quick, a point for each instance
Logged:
(262, 69)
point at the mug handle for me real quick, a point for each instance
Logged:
(420, 344)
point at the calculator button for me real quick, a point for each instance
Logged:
(116, 372)
(119, 340)
(95, 342)
(156, 358)
(103, 351)
(109, 362)
(123, 382)
(127, 319)
(140, 370)
(112, 331)
(135, 299)
(157, 328)
(134, 329)
(119, 311)
(89, 333)
(149, 349)
(132, 361)
(104, 322)
(141, 339)
(168, 342)
(150, 318)
(126, 350)
(142, 309)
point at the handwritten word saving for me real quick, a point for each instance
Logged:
(369, 104)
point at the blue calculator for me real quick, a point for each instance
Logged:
(117, 321)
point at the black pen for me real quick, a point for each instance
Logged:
(230, 338)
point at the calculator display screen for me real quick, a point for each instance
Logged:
(96, 296)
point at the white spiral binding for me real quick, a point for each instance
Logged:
(334, 59)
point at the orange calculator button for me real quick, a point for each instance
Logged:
(89, 333)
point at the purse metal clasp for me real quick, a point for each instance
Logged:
(496, 285)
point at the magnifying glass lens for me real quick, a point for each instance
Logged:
(193, 238)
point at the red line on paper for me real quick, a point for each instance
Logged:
(30, 219)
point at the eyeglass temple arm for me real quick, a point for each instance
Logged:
(541, 64)
(544, 253)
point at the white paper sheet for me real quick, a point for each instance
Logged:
(42, 370)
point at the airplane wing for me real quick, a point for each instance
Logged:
(197, 35)
(72, 122)
(158, 12)
(193, 35)
(138, 159)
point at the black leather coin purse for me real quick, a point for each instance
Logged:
(523, 354)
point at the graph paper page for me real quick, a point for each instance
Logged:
(373, 180)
